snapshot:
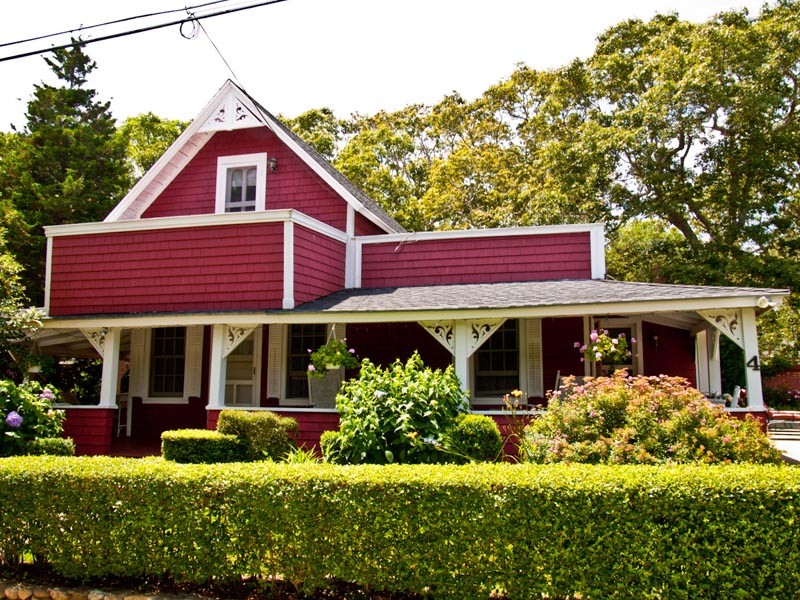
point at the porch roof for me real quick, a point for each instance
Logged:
(524, 294)
(434, 302)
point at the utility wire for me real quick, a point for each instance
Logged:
(235, 78)
(115, 22)
(135, 31)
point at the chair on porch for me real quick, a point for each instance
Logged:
(122, 415)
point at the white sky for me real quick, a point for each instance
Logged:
(350, 55)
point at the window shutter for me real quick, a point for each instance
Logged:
(533, 340)
(275, 361)
(139, 366)
(194, 362)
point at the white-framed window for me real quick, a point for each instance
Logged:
(632, 328)
(241, 183)
(167, 362)
(301, 339)
(497, 362)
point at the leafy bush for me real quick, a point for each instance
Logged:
(472, 438)
(200, 446)
(645, 420)
(441, 531)
(263, 434)
(394, 415)
(49, 447)
(26, 413)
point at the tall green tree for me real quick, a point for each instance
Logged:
(68, 165)
(146, 138)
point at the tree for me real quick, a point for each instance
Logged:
(68, 163)
(146, 138)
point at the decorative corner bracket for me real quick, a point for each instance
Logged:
(235, 336)
(728, 322)
(97, 338)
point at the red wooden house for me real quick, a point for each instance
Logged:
(242, 247)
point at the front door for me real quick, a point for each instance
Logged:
(243, 372)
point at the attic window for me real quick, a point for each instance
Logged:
(241, 183)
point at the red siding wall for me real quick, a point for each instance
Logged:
(293, 185)
(318, 265)
(226, 267)
(559, 353)
(477, 260)
(90, 428)
(366, 227)
(667, 351)
(151, 420)
(382, 343)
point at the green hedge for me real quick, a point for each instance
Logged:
(264, 435)
(448, 531)
(200, 446)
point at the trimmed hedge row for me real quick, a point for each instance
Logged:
(446, 531)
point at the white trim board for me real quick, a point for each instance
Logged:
(630, 309)
(418, 236)
(207, 220)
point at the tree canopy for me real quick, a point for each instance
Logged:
(66, 166)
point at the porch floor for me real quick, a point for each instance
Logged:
(135, 447)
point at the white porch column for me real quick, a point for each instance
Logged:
(461, 352)
(108, 385)
(755, 396)
(709, 374)
(218, 368)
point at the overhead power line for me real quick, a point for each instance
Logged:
(140, 30)
(107, 23)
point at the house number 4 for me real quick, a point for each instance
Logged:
(753, 364)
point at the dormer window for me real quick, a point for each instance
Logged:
(241, 183)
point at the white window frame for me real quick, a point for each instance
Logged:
(637, 349)
(241, 161)
(148, 359)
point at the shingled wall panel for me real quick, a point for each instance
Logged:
(226, 267)
(477, 260)
(293, 185)
(318, 265)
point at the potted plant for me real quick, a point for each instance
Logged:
(331, 355)
(606, 350)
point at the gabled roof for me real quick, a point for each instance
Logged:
(232, 108)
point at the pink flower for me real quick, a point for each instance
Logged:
(312, 368)
(598, 355)
(576, 345)
(633, 340)
(726, 439)
(582, 359)
(615, 341)
(593, 336)
(584, 348)
(352, 351)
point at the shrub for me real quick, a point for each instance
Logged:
(263, 434)
(200, 446)
(646, 420)
(441, 531)
(49, 447)
(395, 415)
(472, 438)
(26, 413)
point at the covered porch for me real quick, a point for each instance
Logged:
(169, 371)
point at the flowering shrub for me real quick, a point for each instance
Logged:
(782, 399)
(394, 415)
(644, 420)
(26, 414)
(334, 353)
(605, 349)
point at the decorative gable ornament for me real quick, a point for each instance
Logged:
(231, 113)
